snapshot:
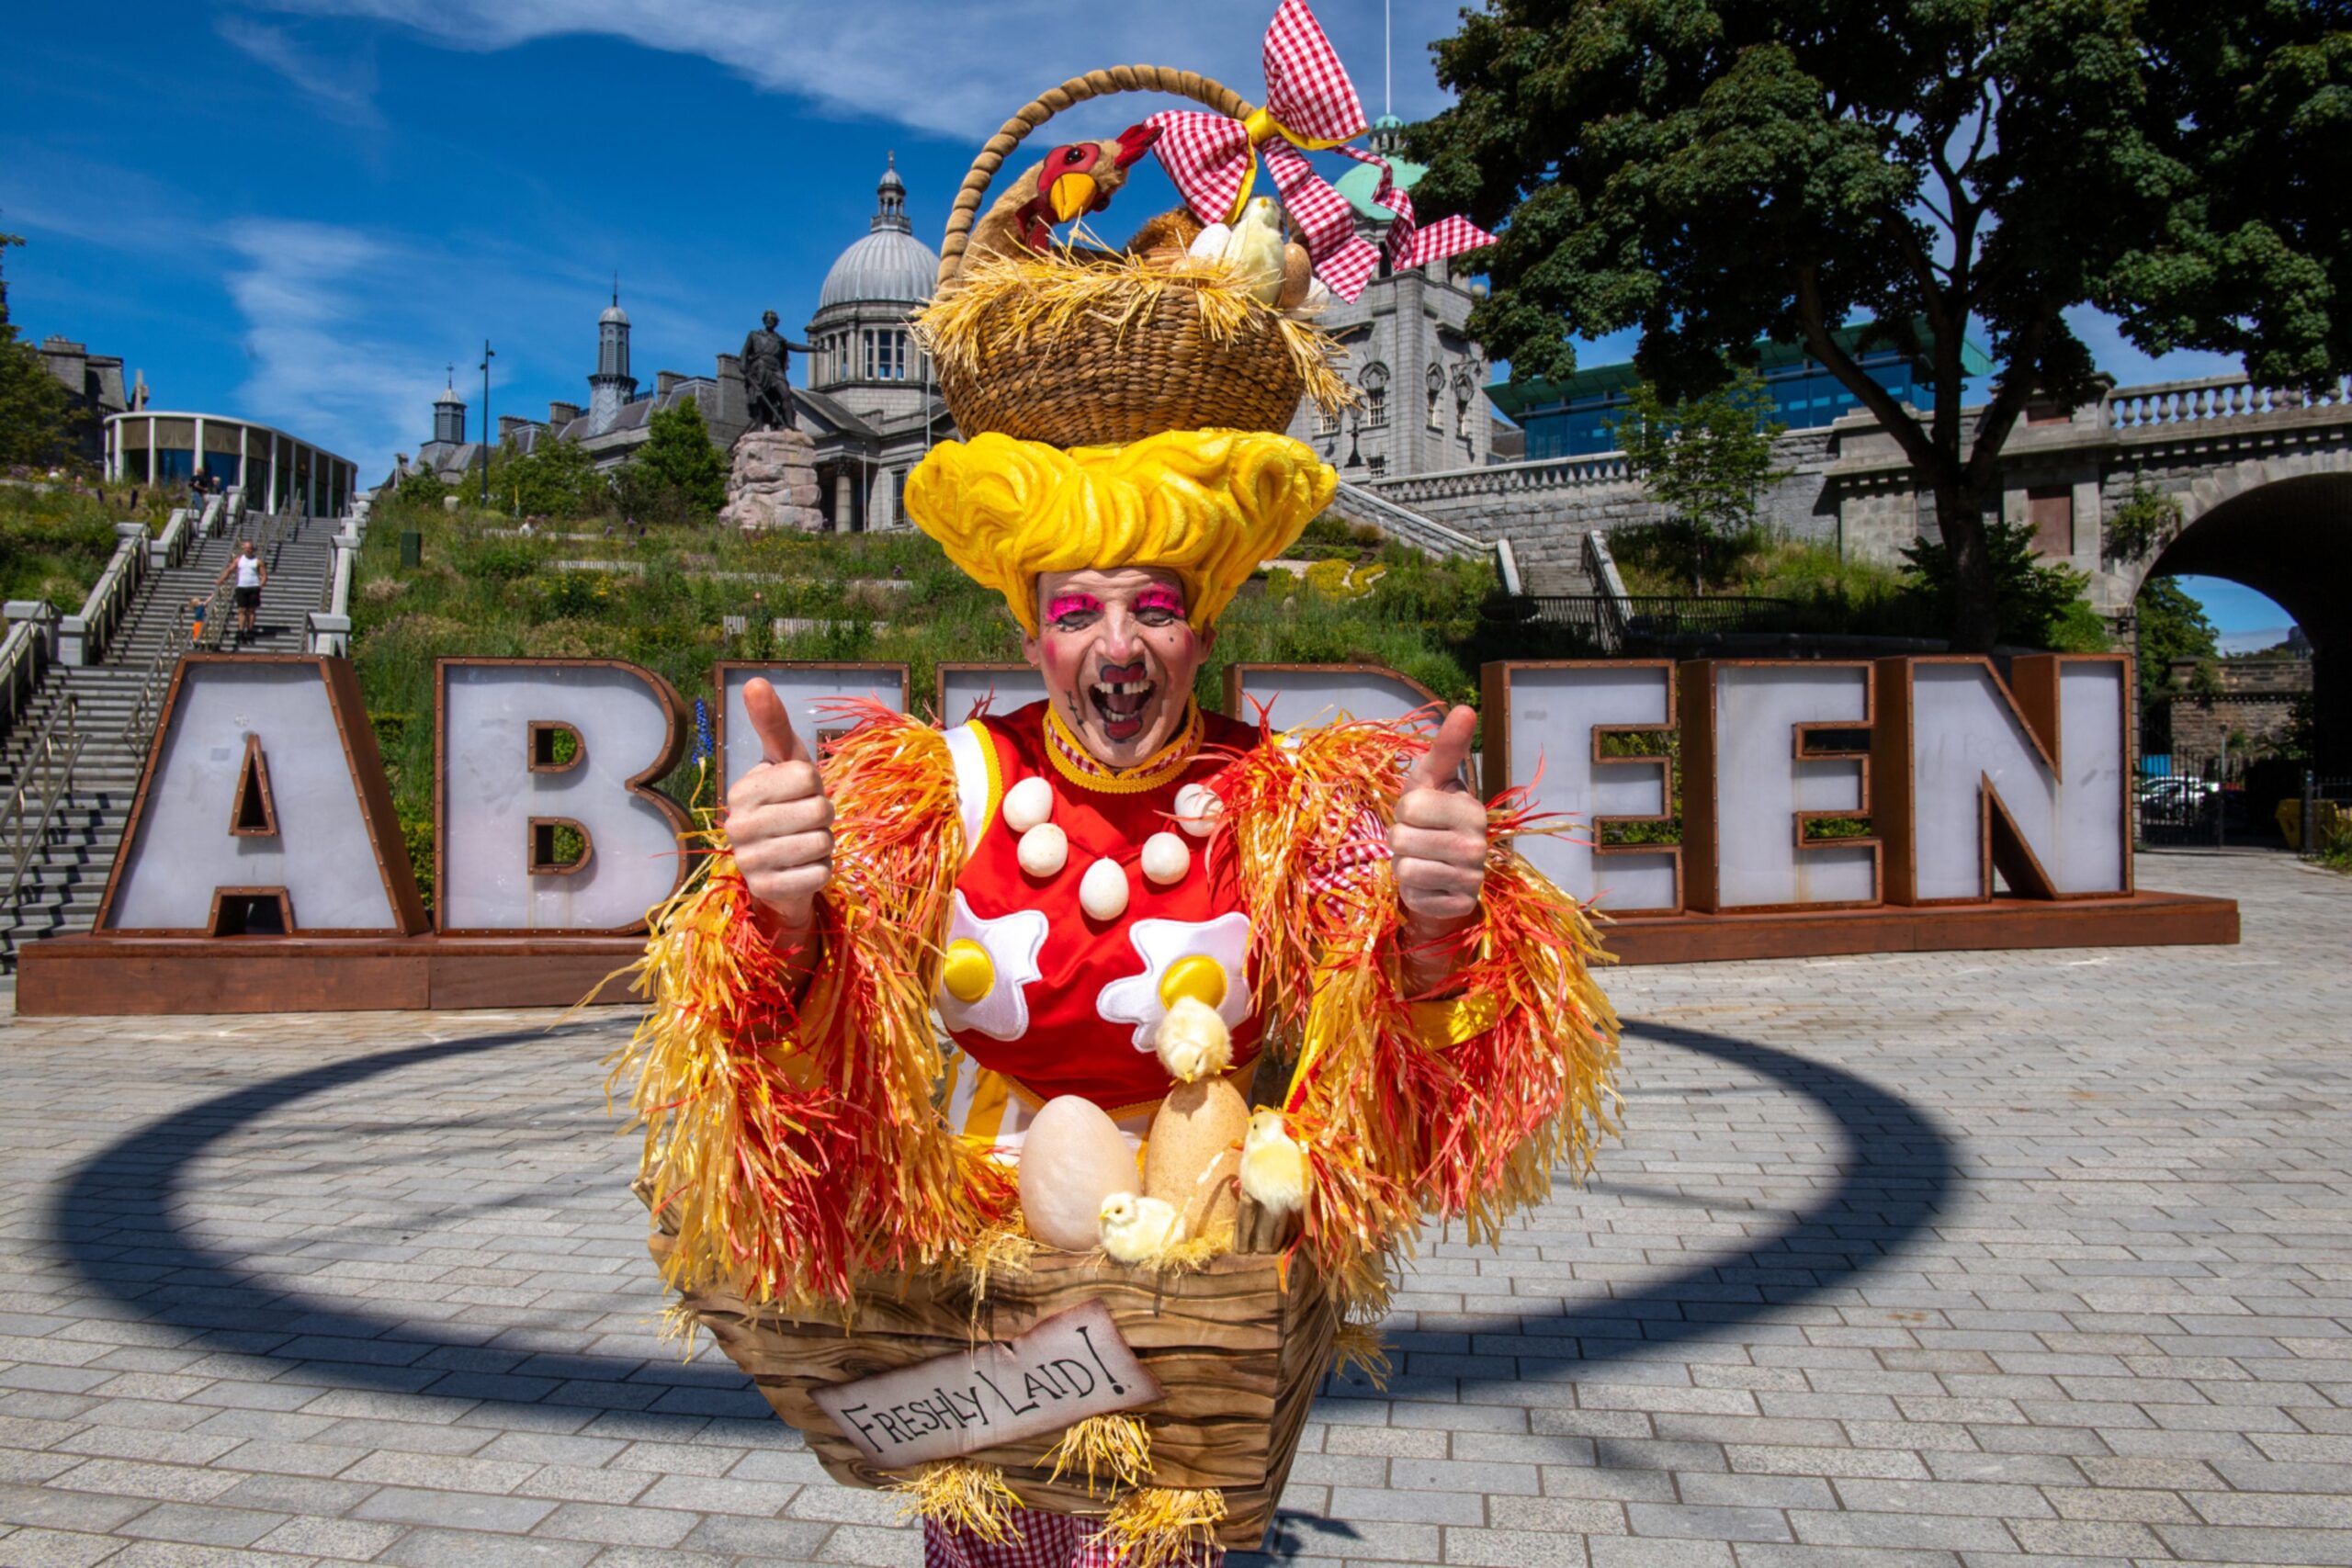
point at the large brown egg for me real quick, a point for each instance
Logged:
(1071, 1158)
(1197, 1124)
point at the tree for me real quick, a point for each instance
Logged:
(36, 415)
(678, 455)
(1703, 459)
(554, 479)
(2034, 605)
(2172, 626)
(1715, 171)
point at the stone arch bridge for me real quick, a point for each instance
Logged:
(2262, 477)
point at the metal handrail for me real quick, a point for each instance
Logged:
(41, 795)
(140, 724)
(23, 651)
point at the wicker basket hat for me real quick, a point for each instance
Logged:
(1077, 349)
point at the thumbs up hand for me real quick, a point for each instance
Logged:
(1437, 843)
(778, 820)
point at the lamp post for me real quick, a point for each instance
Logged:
(488, 354)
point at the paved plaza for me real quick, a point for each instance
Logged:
(1902, 1262)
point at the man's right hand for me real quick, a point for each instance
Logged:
(778, 820)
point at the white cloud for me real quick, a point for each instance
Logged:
(955, 68)
(343, 347)
(342, 84)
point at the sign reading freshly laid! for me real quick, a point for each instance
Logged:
(1072, 1365)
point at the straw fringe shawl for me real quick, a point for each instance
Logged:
(794, 1150)
(1395, 1125)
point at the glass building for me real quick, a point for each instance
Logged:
(1572, 418)
(279, 473)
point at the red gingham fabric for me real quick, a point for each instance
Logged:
(1309, 96)
(1042, 1540)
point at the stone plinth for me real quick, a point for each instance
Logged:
(773, 484)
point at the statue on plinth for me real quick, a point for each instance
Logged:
(767, 376)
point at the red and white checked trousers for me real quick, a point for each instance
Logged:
(1041, 1540)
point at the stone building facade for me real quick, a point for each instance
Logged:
(1420, 380)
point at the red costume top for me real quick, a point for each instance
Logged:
(1070, 1001)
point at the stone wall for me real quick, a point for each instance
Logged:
(2256, 702)
(1545, 508)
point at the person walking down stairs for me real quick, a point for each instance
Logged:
(251, 577)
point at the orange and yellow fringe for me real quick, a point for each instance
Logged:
(795, 1150)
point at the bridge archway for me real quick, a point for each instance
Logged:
(2291, 539)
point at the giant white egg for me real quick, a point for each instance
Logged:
(1072, 1156)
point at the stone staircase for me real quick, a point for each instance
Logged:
(116, 703)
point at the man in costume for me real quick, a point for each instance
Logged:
(1051, 882)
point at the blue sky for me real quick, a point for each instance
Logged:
(300, 212)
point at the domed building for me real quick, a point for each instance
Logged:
(869, 396)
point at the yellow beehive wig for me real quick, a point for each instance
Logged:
(1208, 505)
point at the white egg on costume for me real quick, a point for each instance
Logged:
(1166, 859)
(1103, 892)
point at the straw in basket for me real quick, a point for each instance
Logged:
(1080, 350)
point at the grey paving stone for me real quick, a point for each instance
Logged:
(463, 1510)
(408, 1317)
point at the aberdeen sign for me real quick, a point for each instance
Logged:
(1824, 807)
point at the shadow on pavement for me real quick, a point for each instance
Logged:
(119, 1223)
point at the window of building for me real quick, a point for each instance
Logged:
(1327, 422)
(872, 373)
(1375, 381)
(1378, 465)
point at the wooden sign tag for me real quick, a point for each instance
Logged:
(1072, 1365)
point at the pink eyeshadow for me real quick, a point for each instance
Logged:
(1159, 598)
(1071, 604)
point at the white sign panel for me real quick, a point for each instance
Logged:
(805, 689)
(963, 693)
(1557, 714)
(1297, 697)
(494, 802)
(1761, 785)
(321, 853)
(1072, 1365)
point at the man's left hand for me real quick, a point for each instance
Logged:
(1437, 843)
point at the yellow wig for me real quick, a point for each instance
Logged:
(1208, 505)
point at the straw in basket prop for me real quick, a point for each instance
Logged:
(870, 1268)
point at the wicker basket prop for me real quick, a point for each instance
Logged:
(1239, 1356)
(1085, 349)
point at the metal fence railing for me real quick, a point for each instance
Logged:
(1614, 623)
(44, 778)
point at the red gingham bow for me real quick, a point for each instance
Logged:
(1310, 106)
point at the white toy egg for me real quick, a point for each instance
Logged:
(1166, 858)
(1197, 810)
(1210, 243)
(1027, 804)
(1103, 894)
(1044, 849)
